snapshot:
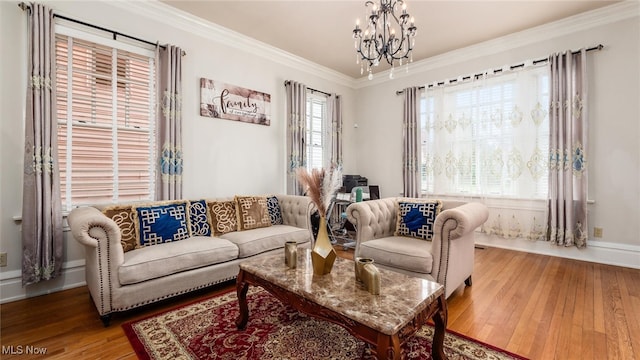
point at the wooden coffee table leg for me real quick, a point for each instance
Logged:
(388, 347)
(241, 288)
(440, 321)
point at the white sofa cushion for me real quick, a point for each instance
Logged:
(168, 258)
(400, 252)
(256, 241)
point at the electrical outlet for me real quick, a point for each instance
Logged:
(597, 232)
(3, 259)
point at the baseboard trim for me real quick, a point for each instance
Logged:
(596, 251)
(11, 288)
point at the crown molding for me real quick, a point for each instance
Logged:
(182, 20)
(179, 19)
(580, 22)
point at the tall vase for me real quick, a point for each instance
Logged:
(323, 255)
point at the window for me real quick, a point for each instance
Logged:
(316, 125)
(489, 137)
(105, 112)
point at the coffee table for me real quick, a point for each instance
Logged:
(385, 321)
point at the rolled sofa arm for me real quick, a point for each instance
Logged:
(453, 244)
(88, 225)
(461, 220)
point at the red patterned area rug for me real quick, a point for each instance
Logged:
(206, 330)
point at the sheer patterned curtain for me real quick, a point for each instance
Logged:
(568, 144)
(487, 140)
(169, 123)
(296, 94)
(334, 109)
(411, 141)
(41, 202)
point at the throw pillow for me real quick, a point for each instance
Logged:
(252, 212)
(199, 218)
(416, 218)
(123, 217)
(275, 214)
(223, 216)
(159, 224)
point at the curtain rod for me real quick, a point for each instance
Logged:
(311, 89)
(476, 76)
(25, 6)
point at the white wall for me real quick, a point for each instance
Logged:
(614, 118)
(223, 157)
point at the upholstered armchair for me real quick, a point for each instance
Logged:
(446, 258)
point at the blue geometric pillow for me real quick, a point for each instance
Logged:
(162, 223)
(416, 218)
(274, 210)
(199, 218)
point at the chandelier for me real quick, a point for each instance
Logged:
(386, 35)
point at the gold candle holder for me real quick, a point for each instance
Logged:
(291, 254)
(371, 278)
(359, 264)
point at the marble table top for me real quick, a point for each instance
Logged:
(401, 296)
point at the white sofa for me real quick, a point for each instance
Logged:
(119, 280)
(447, 258)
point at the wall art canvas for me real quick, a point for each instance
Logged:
(224, 101)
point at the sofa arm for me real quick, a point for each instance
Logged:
(103, 253)
(88, 225)
(461, 220)
(296, 210)
(453, 244)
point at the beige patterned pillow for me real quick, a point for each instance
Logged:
(123, 217)
(223, 216)
(252, 212)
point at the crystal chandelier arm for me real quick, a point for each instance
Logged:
(378, 39)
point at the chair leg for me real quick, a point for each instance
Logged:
(468, 281)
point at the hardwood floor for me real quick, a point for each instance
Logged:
(536, 306)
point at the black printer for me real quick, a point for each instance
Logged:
(351, 181)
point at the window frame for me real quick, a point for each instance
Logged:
(321, 100)
(115, 46)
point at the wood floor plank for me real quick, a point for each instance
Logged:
(537, 306)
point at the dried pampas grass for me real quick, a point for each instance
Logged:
(320, 185)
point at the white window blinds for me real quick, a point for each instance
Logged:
(105, 104)
(316, 134)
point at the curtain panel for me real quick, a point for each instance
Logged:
(411, 143)
(296, 98)
(568, 149)
(334, 109)
(169, 123)
(42, 237)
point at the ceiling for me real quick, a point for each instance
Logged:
(321, 31)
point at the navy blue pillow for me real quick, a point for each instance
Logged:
(199, 219)
(162, 223)
(274, 210)
(416, 218)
